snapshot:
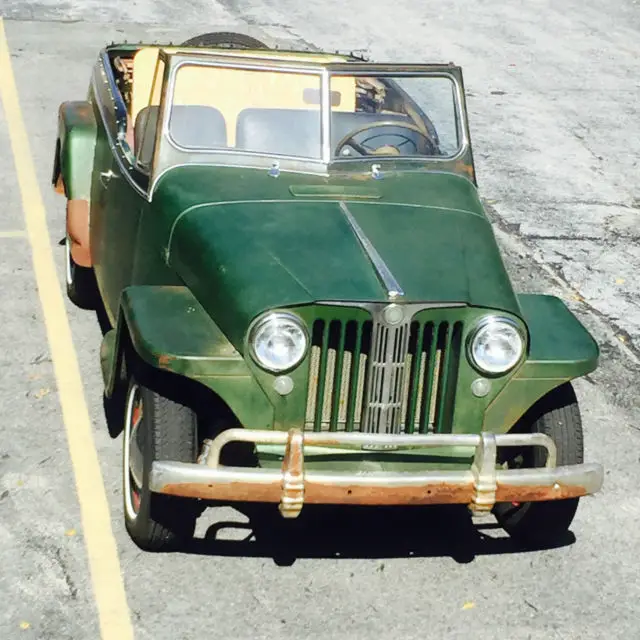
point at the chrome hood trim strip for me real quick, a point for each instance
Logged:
(384, 273)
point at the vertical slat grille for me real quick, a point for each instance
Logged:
(336, 391)
(381, 379)
(435, 354)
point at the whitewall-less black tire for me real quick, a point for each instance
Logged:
(80, 281)
(541, 523)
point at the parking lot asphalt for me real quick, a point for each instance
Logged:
(553, 94)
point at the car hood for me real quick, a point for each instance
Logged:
(240, 259)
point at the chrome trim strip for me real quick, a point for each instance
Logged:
(384, 273)
(326, 116)
(125, 171)
(120, 111)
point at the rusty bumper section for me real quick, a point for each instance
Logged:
(480, 486)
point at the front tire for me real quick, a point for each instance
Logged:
(163, 430)
(542, 523)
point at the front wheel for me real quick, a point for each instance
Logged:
(156, 428)
(558, 416)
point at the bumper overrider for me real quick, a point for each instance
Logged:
(479, 487)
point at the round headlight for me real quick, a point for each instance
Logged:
(496, 346)
(278, 341)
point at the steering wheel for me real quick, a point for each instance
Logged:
(428, 147)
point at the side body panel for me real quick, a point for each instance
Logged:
(122, 255)
(116, 211)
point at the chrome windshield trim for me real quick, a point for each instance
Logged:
(326, 117)
(120, 111)
(113, 142)
(384, 273)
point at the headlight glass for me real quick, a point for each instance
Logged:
(278, 341)
(497, 345)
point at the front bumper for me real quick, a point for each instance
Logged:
(479, 487)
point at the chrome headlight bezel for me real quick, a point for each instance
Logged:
(280, 317)
(492, 321)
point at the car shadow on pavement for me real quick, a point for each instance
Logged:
(360, 532)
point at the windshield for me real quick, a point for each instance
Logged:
(277, 112)
(393, 116)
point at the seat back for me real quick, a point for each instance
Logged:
(144, 134)
(291, 132)
(192, 126)
(198, 127)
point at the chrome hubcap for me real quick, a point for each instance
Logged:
(133, 419)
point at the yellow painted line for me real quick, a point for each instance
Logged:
(104, 563)
(13, 233)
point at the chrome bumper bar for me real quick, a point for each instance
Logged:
(480, 486)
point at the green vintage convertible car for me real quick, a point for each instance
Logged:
(306, 300)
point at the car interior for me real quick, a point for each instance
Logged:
(270, 112)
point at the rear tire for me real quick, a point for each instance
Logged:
(226, 39)
(164, 430)
(558, 416)
(82, 288)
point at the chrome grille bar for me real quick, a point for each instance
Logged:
(383, 404)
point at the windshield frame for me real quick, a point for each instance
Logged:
(169, 154)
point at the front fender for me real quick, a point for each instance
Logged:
(169, 329)
(561, 349)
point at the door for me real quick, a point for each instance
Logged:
(118, 200)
